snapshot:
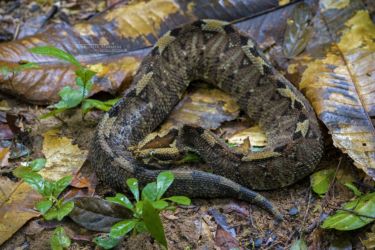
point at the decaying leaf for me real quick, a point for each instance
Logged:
(63, 158)
(17, 201)
(255, 134)
(369, 243)
(112, 43)
(203, 107)
(338, 76)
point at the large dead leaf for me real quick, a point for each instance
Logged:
(339, 81)
(17, 199)
(112, 43)
(63, 158)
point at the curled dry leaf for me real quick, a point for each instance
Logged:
(112, 43)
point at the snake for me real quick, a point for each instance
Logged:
(214, 52)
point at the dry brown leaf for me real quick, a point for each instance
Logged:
(255, 134)
(113, 42)
(341, 86)
(17, 201)
(202, 107)
(369, 243)
(63, 158)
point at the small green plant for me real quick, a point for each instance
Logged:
(51, 206)
(146, 209)
(354, 214)
(71, 98)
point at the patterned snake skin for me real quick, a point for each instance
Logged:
(212, 51)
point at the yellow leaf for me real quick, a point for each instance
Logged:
(341, 88)
(17, 201)
(63, 158)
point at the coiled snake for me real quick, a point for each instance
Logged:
(212, 51)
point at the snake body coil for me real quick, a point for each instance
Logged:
(212, 51)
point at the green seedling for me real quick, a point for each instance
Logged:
(146, 210)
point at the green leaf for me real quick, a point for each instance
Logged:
(84, 88)
(70, 98)
(160, 204)
(28, 65)
(140, 227)
(56, 53)
(163, 181)
(353, 188)
(35, 180)
(21, 171)
(61, 184)
(51, 214)
(122, 228)
(112, 102)
(89, 104)
(107, 242)
(37, 164)
(153, 223)
(60, 239)
(121, 200)
(49, 186)
(149, 192)
(85, 74)
(299, 245)
(138, 211)
(133, 186)
(183, 200)
(43, 206)
(191, 157)
(52, 113)
(64, 210)
(321, 180)
(345, 220)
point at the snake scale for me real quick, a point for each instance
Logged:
(215, 52)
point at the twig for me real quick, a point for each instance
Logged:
(305, 215)
(325, 200)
